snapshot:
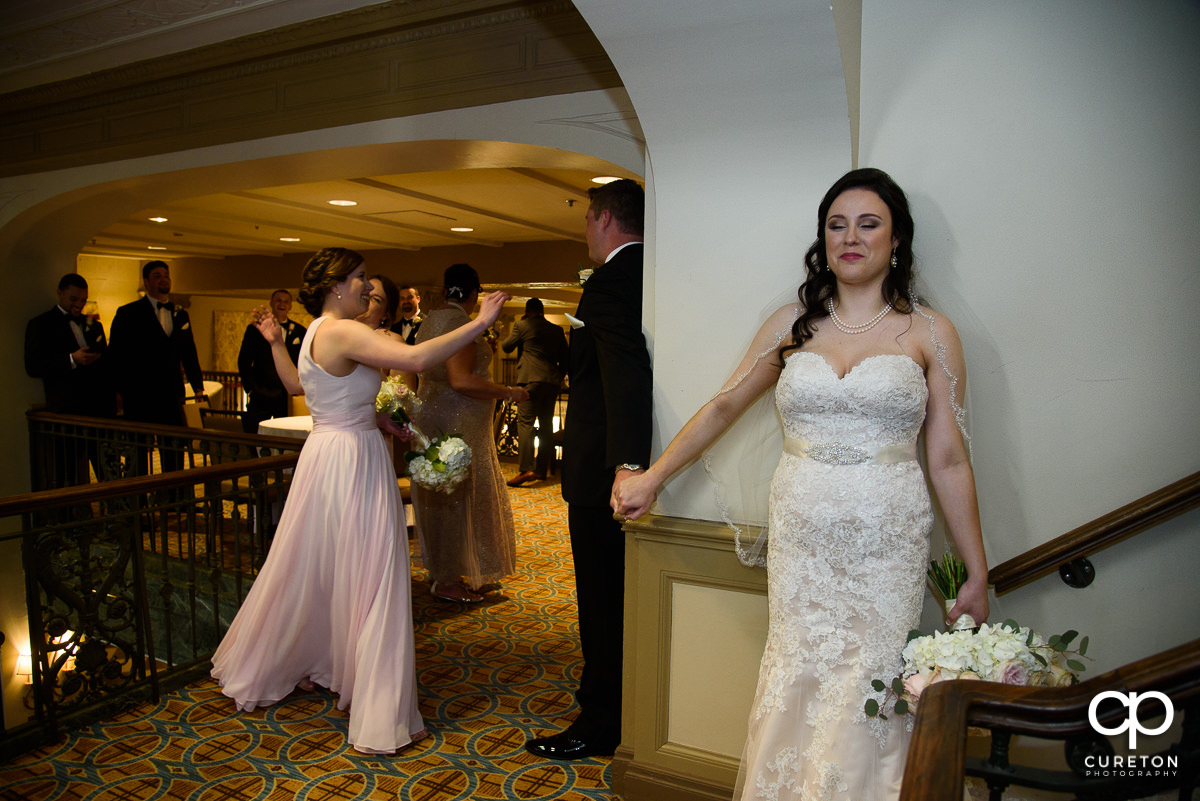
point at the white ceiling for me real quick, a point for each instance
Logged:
(42, 41)
(406, 212)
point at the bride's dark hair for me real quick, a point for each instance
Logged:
(821, 284)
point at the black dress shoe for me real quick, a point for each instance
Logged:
(566, 745)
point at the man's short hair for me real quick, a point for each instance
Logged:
(625, 200)
(72, 279)
(284, 291)
(151, 265)
(534, 306)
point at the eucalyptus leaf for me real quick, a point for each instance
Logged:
(871, 708)
(898, 686)
(1083, 644)
(1075, 664)
(878, 685)
(902, 707)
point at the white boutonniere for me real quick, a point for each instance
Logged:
(584, 274)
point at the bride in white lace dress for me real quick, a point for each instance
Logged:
(858, 370)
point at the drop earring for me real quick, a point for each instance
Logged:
(895, 264)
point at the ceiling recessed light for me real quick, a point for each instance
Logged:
(343, 203)
(462, 230)
(158, 219)
(155, 247)
(289, 239)
(605, 179)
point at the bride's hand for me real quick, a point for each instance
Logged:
(633, 495)
(972, 600)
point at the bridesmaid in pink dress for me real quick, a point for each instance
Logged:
(332, 604)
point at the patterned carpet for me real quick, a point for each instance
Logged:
(490, 676)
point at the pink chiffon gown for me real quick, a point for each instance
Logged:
(333, 602)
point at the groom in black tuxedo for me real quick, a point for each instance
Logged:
(152, 346)
(607, 439)
(68, 351)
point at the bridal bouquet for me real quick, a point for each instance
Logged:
(439, 465)
(1008, 653)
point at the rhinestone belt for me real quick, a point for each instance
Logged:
(839, 453)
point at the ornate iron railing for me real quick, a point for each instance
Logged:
(130, 582)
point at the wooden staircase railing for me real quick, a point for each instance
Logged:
(937, 758)
(1134, 518)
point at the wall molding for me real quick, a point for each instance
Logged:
(379, 62)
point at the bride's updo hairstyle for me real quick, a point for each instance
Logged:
(327, 267)
(460, 280)
(821, 283)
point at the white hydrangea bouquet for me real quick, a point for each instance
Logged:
(1008, 653)
(438, 465)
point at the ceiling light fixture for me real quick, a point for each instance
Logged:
(462, 230)
(154, 247)
(289, 239)
(605, 179)
(343, 203)
(158, 219)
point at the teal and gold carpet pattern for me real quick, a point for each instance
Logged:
(490, 676)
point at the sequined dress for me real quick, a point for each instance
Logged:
(468, 533)
(333, 600)
(850, 517)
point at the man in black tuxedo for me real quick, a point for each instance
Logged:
(607, 440)
(541, 363)
(256, 365)
(152, 343)
(410, 315)
(68, 352)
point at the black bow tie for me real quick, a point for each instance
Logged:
(169, 306)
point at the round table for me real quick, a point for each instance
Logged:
(297, 427)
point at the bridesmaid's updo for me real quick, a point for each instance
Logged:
(327, 267)
(460, 280)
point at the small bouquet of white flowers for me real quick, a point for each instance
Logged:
(439, 465)
(398, 401)
(1008, 653)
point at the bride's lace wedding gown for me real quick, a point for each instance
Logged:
(850, 518)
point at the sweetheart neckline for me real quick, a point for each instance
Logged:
(859, 363)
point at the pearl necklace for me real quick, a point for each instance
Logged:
(855, 329)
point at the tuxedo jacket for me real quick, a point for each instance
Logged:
(541, 350)
(411, 339)
(150, 365)
(81, 389)
(256, 365)
(609, 412)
